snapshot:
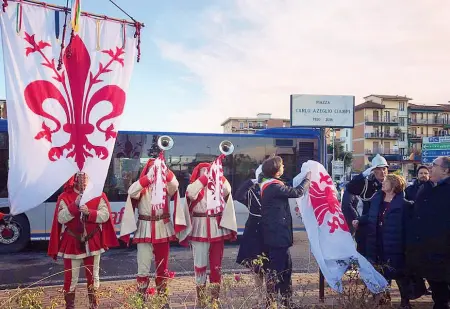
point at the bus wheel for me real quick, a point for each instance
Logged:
(15, 236)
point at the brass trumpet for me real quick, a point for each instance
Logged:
(226, 147)
(165, 142)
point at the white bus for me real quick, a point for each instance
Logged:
(133, 149)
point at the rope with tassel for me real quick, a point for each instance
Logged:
(60, 61)
(137, 34)
(4, 5)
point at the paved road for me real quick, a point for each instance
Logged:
(33, 265)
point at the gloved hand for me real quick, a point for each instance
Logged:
(368, 171)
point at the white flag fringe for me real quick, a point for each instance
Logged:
(331, 242)
(61, 121)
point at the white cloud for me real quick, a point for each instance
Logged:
(258, 52)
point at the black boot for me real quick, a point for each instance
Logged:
(93, 298)
(70, 300)
(405, 304)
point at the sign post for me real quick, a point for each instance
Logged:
(337, 168)
(323, 111)
(433, 147)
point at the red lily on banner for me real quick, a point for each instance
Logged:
(77, 81)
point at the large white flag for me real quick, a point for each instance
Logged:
(331, 242)
(62, 120)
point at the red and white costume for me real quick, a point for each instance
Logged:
(213, 219)
(154, 231)
(79, 240)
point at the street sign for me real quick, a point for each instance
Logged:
(322, 111)
(435, 146)
(337, 168)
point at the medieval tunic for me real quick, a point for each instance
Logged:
(209, 231)
(155, 231)
(204, 228)
(155, 228)
(96, 230)
(69, 215)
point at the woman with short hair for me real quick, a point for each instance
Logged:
(386, 233)
(277, 227)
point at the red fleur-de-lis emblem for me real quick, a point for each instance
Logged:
(324, 202)
(76, 100)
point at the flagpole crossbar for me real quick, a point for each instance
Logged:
(137, 25)
(132, 22)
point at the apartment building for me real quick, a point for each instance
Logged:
(381, 127)
(424, 121)
(343, 136)
(246, 125)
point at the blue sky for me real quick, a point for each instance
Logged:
(206, 60)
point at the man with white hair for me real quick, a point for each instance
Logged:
(428, 234)
(363, 186)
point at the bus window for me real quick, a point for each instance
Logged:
(187, 152)
(248, 155)
(125, 166)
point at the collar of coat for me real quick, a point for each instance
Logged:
(267, 182)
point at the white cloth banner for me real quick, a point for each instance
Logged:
(331, 242)
(61, 121)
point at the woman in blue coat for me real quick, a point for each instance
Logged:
(277, 228)
(385, 225)
(252, 244)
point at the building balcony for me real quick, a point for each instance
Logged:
(381, 135)
(391, 155)
(381, 151)
(381, 120)
(415, 137)
(428, 122)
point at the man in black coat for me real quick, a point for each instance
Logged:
(363, 186)
(423, 179)
(428, 234)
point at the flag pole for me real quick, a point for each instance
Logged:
(323, 140)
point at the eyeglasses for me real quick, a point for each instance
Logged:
(435, 164)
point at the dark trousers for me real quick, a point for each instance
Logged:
(440, 294)
(279, 271)
(361, 239)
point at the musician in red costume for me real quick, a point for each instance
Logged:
(213, 221)
(88, 232)
(154, 231)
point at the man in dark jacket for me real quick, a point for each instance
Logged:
(428, 234)
(364, 186)
(423, 179)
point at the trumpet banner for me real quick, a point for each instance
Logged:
(63, 115)
(331, 242)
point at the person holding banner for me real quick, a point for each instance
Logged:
(88, 232)
(277, 227)
(154, 231)
(213, 221)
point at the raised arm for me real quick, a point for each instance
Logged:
(194, 188)
(293, 192)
